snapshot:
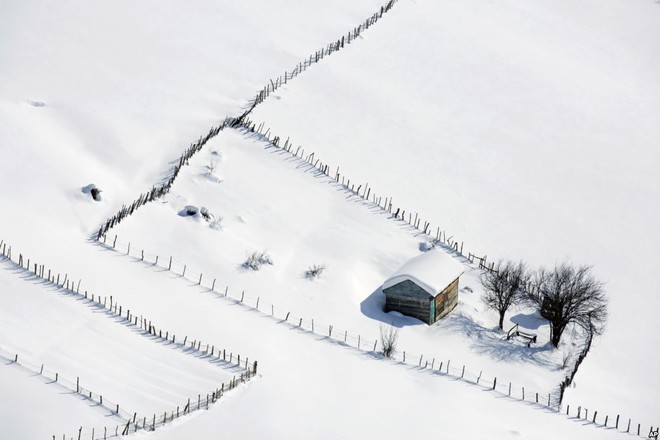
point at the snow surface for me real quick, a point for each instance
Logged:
(360, 245)
(527, 129)
(78, 339)
(35, 407)
(433, 271)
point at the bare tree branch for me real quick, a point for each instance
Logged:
(570, 294)
(503, 286)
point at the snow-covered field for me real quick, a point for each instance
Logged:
(528, 130)
(269, 200)
(77, 338)
(28, 398)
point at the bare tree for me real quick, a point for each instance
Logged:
(570, 295)
(503, 286)
(388, 340)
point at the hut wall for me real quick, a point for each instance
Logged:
(409, 299)
(446, 300)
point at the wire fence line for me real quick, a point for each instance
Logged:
(155, 192)
(245, 369)
(314, 58)
(435, 365)
(343, 336)
(113, 408)
(367, 193)
(385, 205)
(113, 308)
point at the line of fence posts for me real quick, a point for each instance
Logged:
(365, 192)
(157, 192)
(113, 307)
(133, 423)
(582, 413)
(317, 56)
(331, 332)
(113, 408)
(307, 324)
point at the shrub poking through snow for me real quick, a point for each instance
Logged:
(92, 190)
(206, 215)
(216, 223)
(388, 340)
(257, 259)
(315, 271)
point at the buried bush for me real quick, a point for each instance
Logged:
(257, 259)
(315, 271)
(388, 340)
(93, 191)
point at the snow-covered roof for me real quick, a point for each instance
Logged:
(433, 271)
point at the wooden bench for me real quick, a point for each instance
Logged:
(515, 331)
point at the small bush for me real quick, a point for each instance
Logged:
(315, 271)
(211, 166)
(388, 340)
(257, 259)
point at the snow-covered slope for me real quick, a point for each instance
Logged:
(79, 339)
(529, 131)
(268, 200)
(109, 92)
(526, 129)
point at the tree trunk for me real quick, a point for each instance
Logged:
(555, 335)
(502, 320)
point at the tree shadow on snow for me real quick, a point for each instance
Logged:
(531, 321)
(495, 345)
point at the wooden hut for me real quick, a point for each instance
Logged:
(425, 287)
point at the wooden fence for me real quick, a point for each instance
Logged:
(112, 408)
(372, 346)
(158, 191)
(367, 193)
(107, 303)
(111, 307)
(314, 58)
(361, 342)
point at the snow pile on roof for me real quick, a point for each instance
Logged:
(433, 271)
